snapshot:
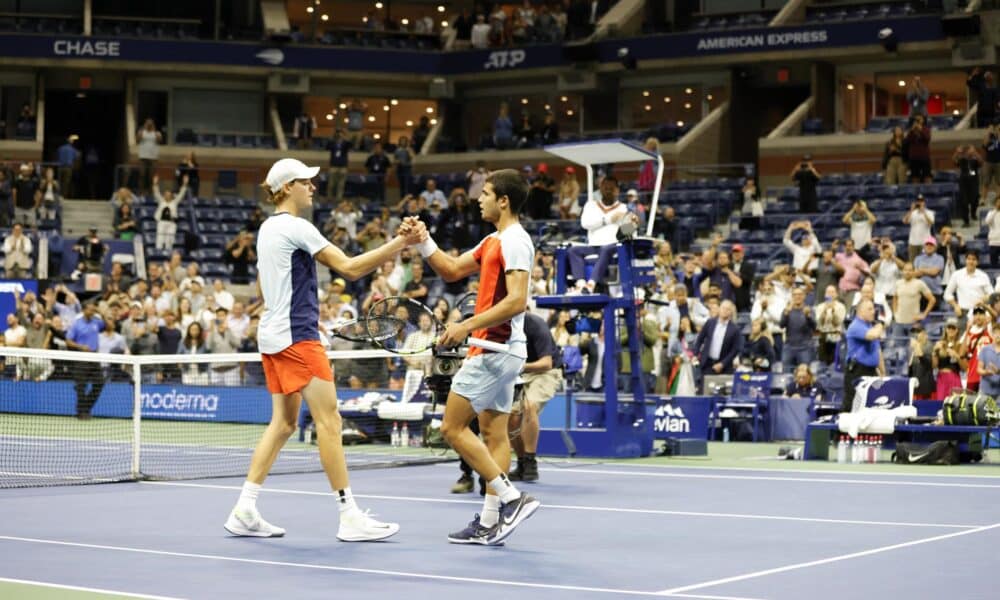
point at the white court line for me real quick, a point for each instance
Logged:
(643, 511)
(776, 478)
(578, 461)
(78, 588)
(406, 574)
(824, 561)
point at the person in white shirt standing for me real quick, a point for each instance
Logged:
(970, 285)
(17, 250)
(804, 252)
(861, 220)
(921, 220)
(601, 218)
(295, 365)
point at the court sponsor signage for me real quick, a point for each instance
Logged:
(774, 39)
(761, 41)
(505, 59)
(87, 48)
(681, 417)
(382, 60)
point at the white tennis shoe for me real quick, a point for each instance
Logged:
(357, 526)
(249, 523)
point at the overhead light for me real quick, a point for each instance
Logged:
(434, 121)
(563, 98)
(548, 107)
(405, 22)
(364, 19)
(687, 105)
(850, 86)
(329, 117)
(569, 113)
(377, 136)
(378, 5)
(409, 123)
(430, 110)
(325, 17)
(444, 24)
(680, 123)
(688, 91)
(666, 99)
(342, 106)
(648, 107)
(524, 100)
(708, 97)
(371, 118)
(440, 8)
(394, 102)
(310, 9)
(956, 112)
(901, 83)
(385, 107)
(345, 120)
(645, 93)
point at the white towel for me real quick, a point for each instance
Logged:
(398, 411)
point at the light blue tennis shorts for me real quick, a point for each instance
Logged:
(487, 381)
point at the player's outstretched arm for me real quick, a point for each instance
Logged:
(356, 267)
(450, 268)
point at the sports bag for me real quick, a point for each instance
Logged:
(938, 453)
(970, 408)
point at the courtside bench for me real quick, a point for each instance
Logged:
(819, 436)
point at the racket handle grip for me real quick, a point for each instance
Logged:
(488, 345)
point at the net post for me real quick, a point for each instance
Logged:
(136, 417)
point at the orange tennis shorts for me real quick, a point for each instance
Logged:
(291, 369)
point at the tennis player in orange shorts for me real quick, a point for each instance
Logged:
(288, 247)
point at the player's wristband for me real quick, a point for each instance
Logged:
(427, 247)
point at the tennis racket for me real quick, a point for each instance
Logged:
(370, 330)
(421, 328)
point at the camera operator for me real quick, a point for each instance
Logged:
(806, 176)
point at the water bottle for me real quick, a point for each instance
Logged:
(394, 436)
(842, 450)
(725, 434)
(855, 451)
(404, 439)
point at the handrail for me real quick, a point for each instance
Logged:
(793, 119)
(173, 20)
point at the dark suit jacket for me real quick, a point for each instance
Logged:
(732, 345)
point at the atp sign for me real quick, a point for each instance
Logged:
(504, 59)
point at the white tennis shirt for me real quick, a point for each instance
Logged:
(285, 249)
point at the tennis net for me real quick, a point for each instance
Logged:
(76, 417)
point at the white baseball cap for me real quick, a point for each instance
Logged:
(288, 169)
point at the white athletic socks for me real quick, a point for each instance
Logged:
(345, 499)
(491, 511)
(504, 489)
(248, 497)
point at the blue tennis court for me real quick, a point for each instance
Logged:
(604, 531)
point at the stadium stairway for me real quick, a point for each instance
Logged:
(80, 215)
